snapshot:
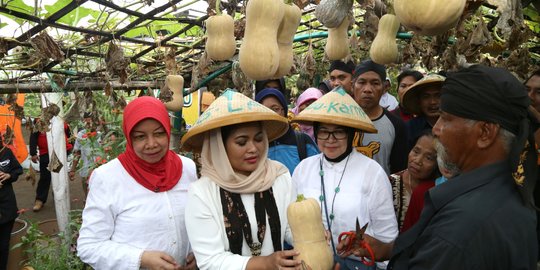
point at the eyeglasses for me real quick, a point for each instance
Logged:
(338, 134)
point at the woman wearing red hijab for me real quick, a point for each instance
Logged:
(134, 213)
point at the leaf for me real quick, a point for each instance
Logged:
(19, 5)
(74, 16)
(51, 9)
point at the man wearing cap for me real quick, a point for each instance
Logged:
(482, 218)
(341, 74)
(423, 99)
(389, 145)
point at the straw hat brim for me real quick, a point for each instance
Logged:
(411, 98)
(336, 121)
(274, 125)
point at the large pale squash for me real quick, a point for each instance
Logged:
(429, 17)
(331, 13)
(384, 48)
(259, 52)
(176, 84)
(337, 44)
(307, 228)
(287, 30)
(220, 41)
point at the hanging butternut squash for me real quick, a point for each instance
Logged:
(259, 52)
(287, 30)
(307, 228)
(384, 48)
(429, 17)
(337, 43)
(176, 84)
(220, 41)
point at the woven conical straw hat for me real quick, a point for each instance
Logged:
(338, 108)
(411, 97)
(229, 109)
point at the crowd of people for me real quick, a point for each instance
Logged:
(443, 180)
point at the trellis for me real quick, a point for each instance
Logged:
(148, 57)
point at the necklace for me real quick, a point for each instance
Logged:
(322, 198)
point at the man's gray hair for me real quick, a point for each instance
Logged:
(506, 136)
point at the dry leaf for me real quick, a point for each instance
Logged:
(510, 15)
(46, 47)
(239, 28)
(3, 47)
(170, 61)
(17, 110)
(518, 62)
(72, 113)
(240, 81)
(116, 63)
(371, 24)
(8, 136)
(54, 164)
(165, 94)
(31, 175)
(301, 3)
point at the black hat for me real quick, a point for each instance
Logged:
(340, 65)
(369, 65)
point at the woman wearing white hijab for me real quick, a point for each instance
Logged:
(236, 212)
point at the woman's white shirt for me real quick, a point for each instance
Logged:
(206, 228)
(364, 193)
(121, 218)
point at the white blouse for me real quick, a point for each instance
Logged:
(206, 228)
(121, 218)
(364, 193)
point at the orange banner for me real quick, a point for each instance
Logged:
(7, 118)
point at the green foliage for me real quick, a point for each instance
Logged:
(73, 17)
(20, 6)
(32, 105)
(103, 147)
(53, 252)
(534, 22)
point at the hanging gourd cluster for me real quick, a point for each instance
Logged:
(266, 50)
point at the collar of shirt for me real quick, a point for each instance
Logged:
(463, 183)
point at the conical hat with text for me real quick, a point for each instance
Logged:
(229, 109)
(339, 108)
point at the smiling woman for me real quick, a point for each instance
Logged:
(348, 185)
(134, 213)
(244, 144)
(236, 212)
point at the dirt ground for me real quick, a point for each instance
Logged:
(26, 194)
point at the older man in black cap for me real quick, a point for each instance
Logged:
(389, 145)
(484, 217)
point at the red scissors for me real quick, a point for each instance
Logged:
(357, 241)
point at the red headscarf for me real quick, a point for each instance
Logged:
(163, 175)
